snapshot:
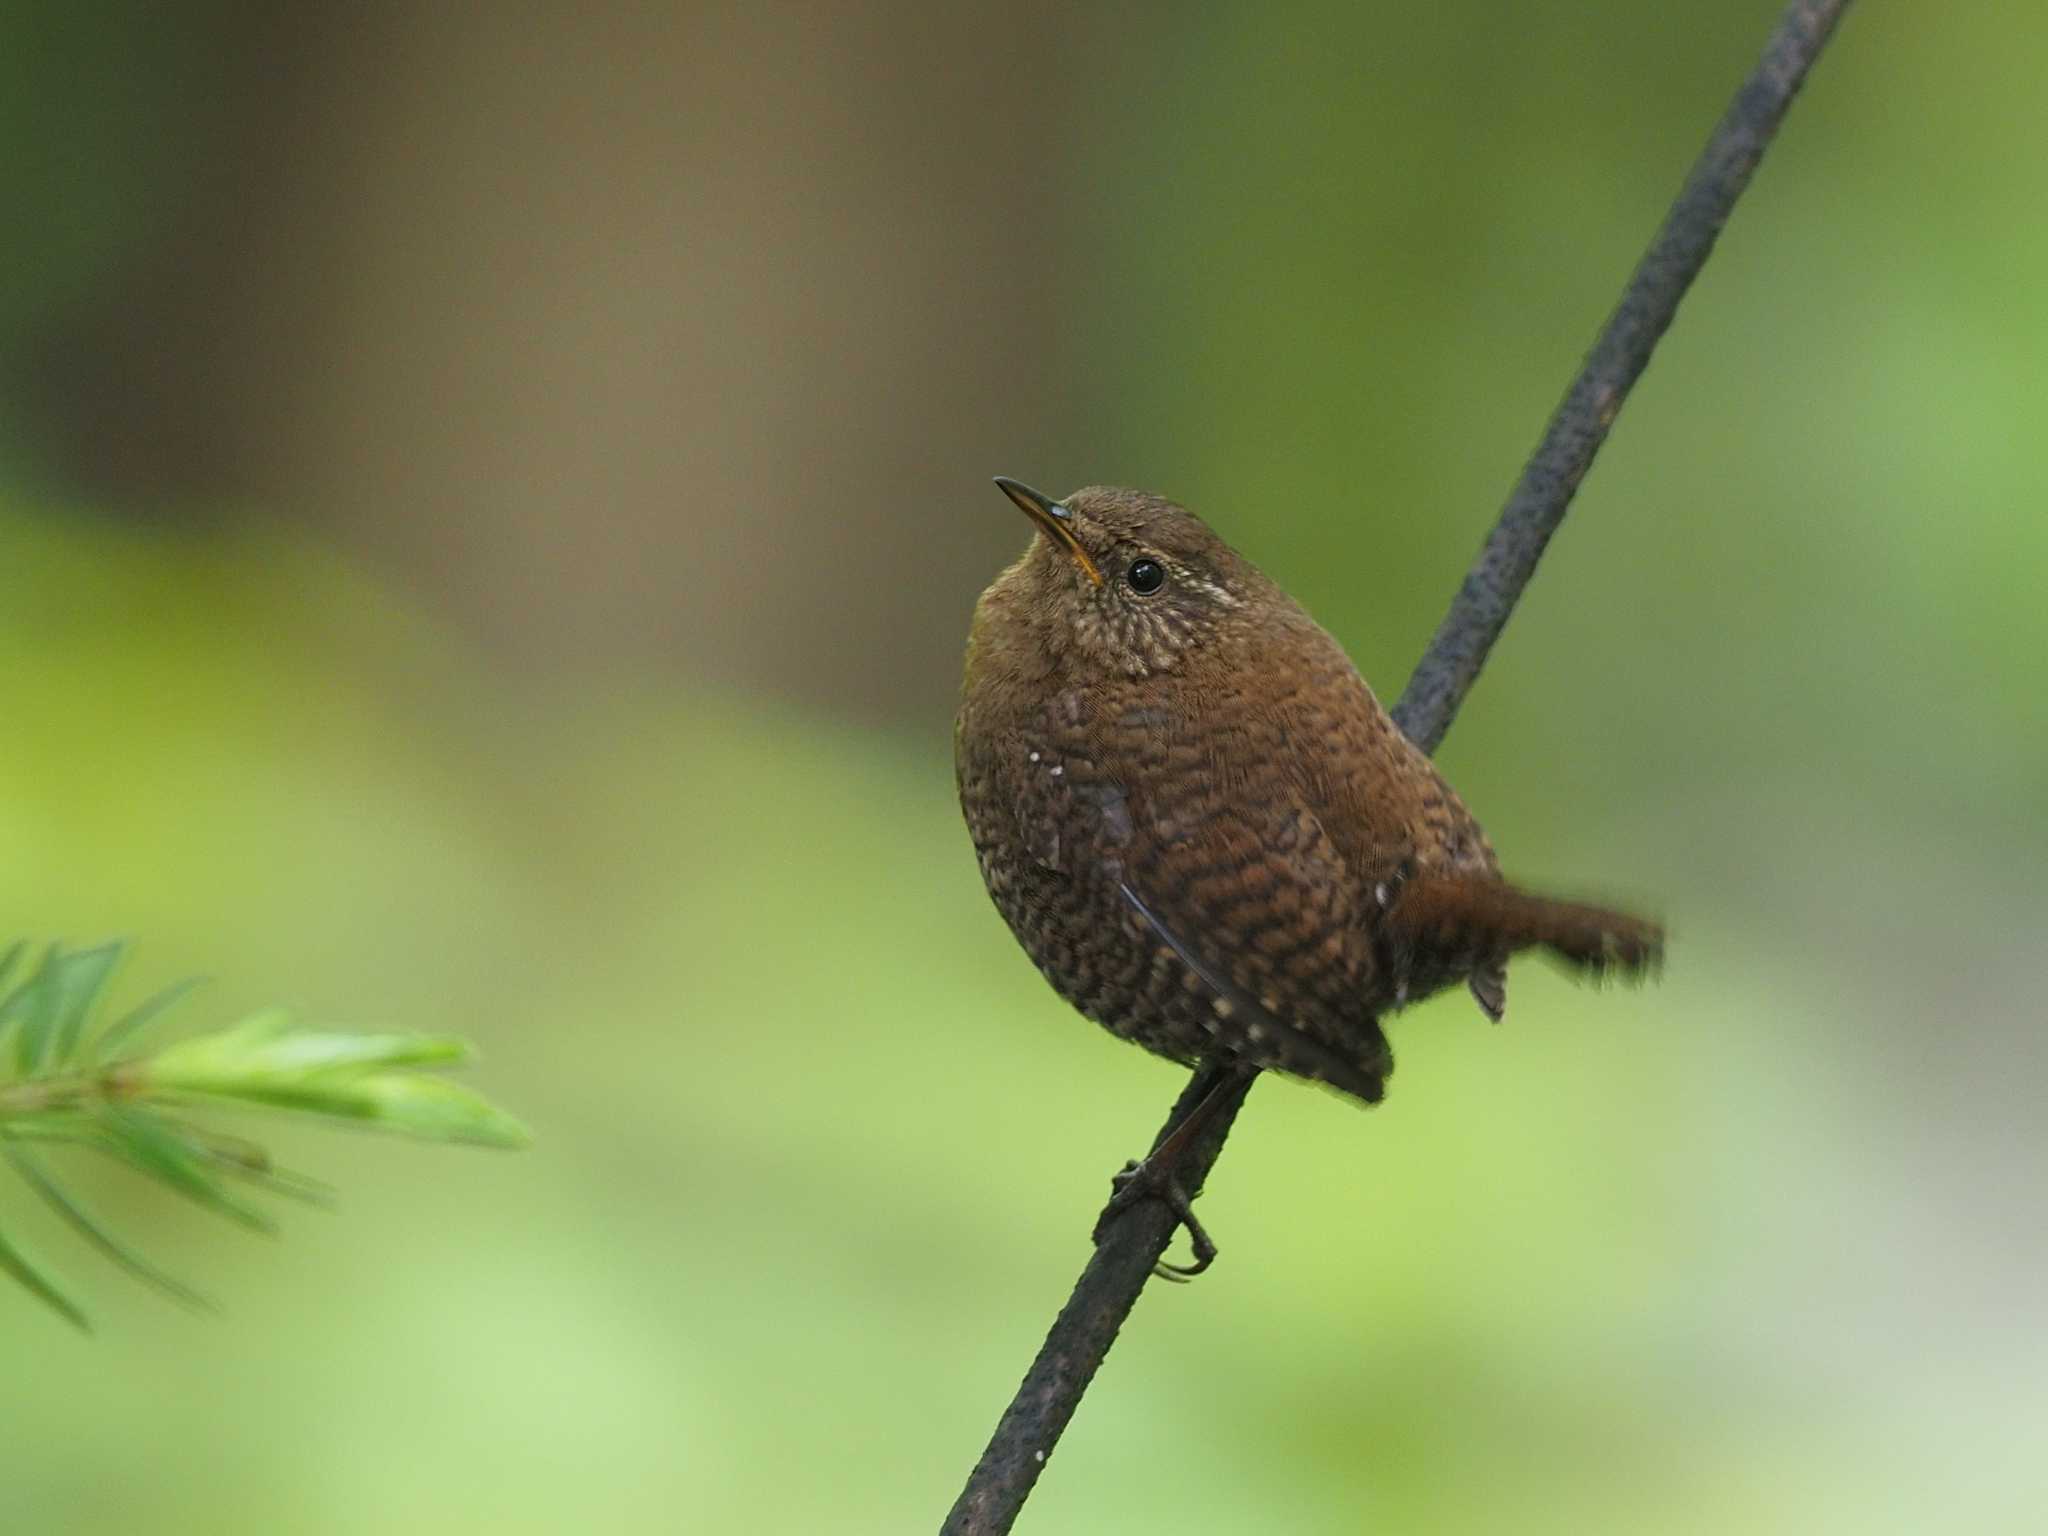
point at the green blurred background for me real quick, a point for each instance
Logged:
(491, 500)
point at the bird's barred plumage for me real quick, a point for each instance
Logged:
(1202, 826)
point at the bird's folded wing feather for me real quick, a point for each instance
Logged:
(1236, 886)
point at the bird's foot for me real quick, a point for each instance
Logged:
(1141, 1181)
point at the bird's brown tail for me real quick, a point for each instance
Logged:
(1452, 923)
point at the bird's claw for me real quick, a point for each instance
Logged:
(1138, 1181)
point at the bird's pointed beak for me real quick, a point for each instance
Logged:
(1054, 521)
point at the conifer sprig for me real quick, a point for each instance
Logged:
(66, 1080)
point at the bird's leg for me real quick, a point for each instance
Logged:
(1138, 1181)
(1158, 1177)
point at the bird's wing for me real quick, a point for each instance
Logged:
(1222, 870)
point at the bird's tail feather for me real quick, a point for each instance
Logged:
(1459, 922)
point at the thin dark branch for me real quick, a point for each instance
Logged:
(1123, 1261)
(1537, 505)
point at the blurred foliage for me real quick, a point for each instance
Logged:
(67, 1084)
(1758, 1250)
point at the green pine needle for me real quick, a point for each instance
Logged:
(17, 1264)
(153, 1144)
(63, 1083)
(48, 1010)
(12, 958)
(140, 1017)
(83, 1223)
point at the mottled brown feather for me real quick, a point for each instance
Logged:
(1202, 826)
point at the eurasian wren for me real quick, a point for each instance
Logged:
(1200, 823)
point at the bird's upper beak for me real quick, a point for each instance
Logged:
(1054, 521)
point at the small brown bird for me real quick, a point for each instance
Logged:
(1200, 823)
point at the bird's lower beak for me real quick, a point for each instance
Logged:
(1054, 521)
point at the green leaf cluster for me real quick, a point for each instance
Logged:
(66, 1080)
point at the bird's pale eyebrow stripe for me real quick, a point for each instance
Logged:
(1223, 595)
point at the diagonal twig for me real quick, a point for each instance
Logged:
(1108, 1288)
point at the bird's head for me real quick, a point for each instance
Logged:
(1119, 581)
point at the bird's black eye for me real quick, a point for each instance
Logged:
(1146, 577)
